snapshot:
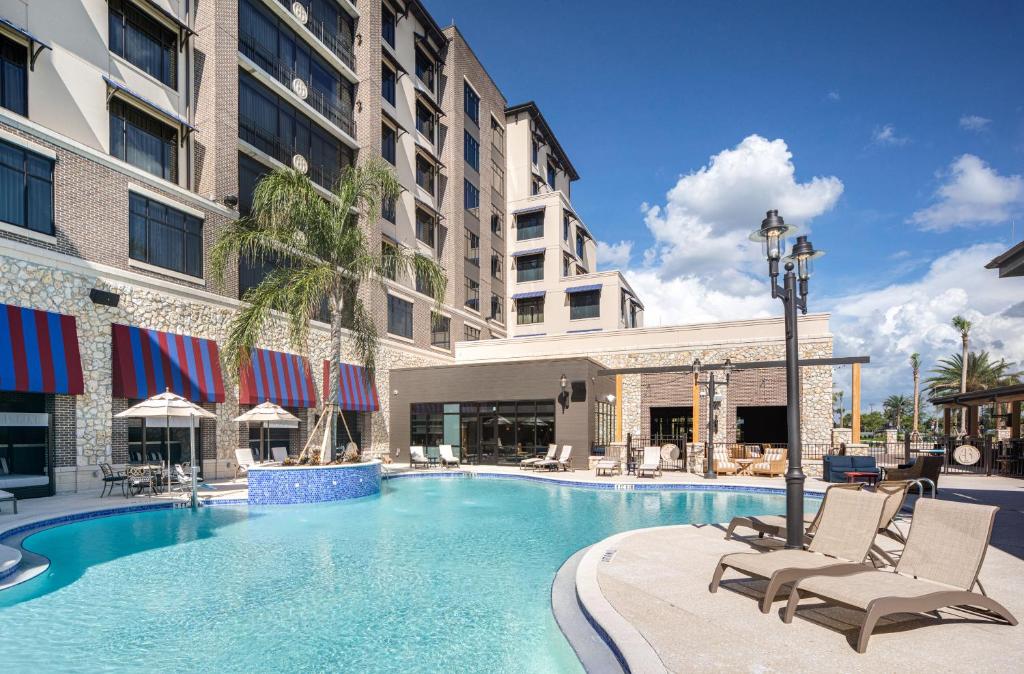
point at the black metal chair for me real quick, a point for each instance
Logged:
(140, 479)
(111, 478)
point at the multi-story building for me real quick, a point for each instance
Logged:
(552, 262)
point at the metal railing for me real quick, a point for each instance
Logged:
(250, 132)
(635, 445)
(328, 105)
(338, 43)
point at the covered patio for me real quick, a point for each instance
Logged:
(1002, 445)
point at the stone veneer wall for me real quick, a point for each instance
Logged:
(97, 437)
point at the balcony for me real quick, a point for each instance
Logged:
(337, 43)
(250, 132)
(328, 105)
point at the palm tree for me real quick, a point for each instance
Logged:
(915, 366)
(321, 258)
(964, 326)
(896, 406)
(982, 373)
(837, 405)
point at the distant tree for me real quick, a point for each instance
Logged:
(915, 367)
(896, 407)
(964, 326)
(837, 407)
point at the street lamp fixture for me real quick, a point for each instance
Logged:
(793, 293)
(715, 397)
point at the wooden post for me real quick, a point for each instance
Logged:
(947, 422)
(855, 405)
(696, 411)
(618, 408)
(1015, 419)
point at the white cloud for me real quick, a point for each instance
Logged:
(972, 193)
(974, 122)
(614, 255)
(886, 135)
(832, 96)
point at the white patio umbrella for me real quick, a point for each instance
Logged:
(268, 414)
(169, 406)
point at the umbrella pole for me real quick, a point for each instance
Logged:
(192, 448)
(167, 451)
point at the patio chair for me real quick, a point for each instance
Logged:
(651, 462)
(243, 460)
(722, 462)
(8, 496)
(608, 466)
(110, 478)
(775, 525)
(939, 567)
(279, 454)
(774, 463)
(840, 545)
(927, 467)
(448, 457)
(139, 479)
(417, 457)
(182, 478)
(533, 461)
(563, 462)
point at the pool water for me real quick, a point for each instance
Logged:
(432, 575)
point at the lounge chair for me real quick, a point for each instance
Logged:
(448, 457)
(184, 478)
(773, 463)
(279, 454)
(563, 462)
(926, 467)
(895, 492)
(110, 478)
(775, 525)
(243, 460)
(608, 467)
(534, 460)
(651, 462)
(938, 568)
(417, 457)
(840, 545)
(722, 462)
(8, 496)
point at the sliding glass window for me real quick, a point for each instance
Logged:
(13, 76)
(143, 141)
(143, 41)
(493, 432)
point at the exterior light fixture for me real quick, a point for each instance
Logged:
(772, 234)
(563, 382)
(610, 397)
(696, 367)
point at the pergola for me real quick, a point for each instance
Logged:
(972, 401)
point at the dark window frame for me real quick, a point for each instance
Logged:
(470, 334)
(497, 265)
(389, 143)
(400, 315)
(472, 294)
(497, 223)
(471, 103)
(534, 226)
(426, 173)
(426, 227)
(496, 308)
(530, 310)
(144, 211)
(471, 150)
(440, 338)
(426, 69)
(534, 269)
(31, 172)
(584, 305)
(470, 236)
(122, 115)
(470, 195)
(388, 24)
(13, 61)
(126, 19)
(388, 83)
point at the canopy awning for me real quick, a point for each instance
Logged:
(282, 378)
(147, 362)
(632, 295)
(528, 209)
(115, 87)
(357, 391)
(35, 45)
(531, 251)
(583, 289)
(39, 352)
(529, 295)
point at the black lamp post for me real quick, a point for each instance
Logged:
(793, 293)
(710, 385)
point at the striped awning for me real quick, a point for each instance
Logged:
(39, 352)
(356, 390)
(528, 295)
(284, 379)
(147, 362)
(583, 289)
(531, 251)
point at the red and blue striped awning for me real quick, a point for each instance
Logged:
(356, 390)
(284, 379)
(147, 362)
(39, 352)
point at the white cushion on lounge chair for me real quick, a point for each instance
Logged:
(723, 460)
(279, 453)
(533, 460)
(447, 455)
(416, 455)
(651, 462)
(561, 461)
(244, 459)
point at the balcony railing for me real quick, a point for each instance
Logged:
(250, 132)
(332, 39)
(328, 105)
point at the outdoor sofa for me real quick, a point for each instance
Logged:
(835, 467)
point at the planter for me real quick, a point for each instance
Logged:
(279, 485)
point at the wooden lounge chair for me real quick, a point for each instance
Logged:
(840, 545)
(534, 460)
(773, 463)
(722, 462)
(563, 462)
(939, 567)
(651, 462)
(417, 457)
(608, 467)
(775, 525)
(448, 457)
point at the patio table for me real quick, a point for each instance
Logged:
(745, 465)
(861, 476)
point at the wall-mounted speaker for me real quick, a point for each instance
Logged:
(104, 298)
(579, 391)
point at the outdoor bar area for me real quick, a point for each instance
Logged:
(991, 423)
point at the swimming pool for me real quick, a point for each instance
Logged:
(433, 574)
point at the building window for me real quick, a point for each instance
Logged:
(387, 143)
(497, 135)
(143, 41)
(566, 265)
(424, 173)
(496, 226)
(496, 305)
(472, 247)
(425, 121)
(399, 317)
(471, 195)
(425, 69)
(143, 141)
(440, 331)
(530, 225)
(471, 334)
(472, 294)
(389, 209)
(530, 268)
(585, 304)
(534, 187)
(534, 152)
(529, 310)
(387, 25)
(26, 189)
(551, 176)
(387, 83)
(472, 104)
(498, 183)
(497, 264)
(425, 227)
(389, 259)
(471, 150)
(13, 76)
(164, 236)
(565, 227)
(579, 245)
(422, 282)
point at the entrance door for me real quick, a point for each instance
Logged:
(671, 423)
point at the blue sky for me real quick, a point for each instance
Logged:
(896, 130)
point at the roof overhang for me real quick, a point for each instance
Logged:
(583, 289)
(35, 45)
(531, 108)
(1010, 263)
(115, 88)
(529, 295)
(531, 251)
(999, 394)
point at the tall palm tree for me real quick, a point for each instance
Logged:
(964, 326)
(915, 366)
(321, 258)
(982, 373)
(896, 407)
